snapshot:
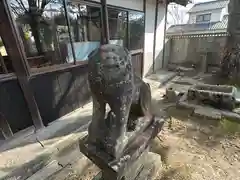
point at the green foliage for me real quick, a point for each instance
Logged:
(229, 126)
(136, 31)
(1, 43)
(27, 35)
(234, 82)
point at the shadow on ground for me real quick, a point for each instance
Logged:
(69, 128)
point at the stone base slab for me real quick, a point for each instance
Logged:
(150, 168)
(117, 169)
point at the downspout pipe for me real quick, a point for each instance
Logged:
(69, 29)
(105, 23)
(164, 34)
(180, 2)
(155, 35)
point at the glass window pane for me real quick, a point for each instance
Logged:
(199, 18)
(136, 28)
(85, 28)
(2, 48)
(44, 32)
(203, 18)
(117, 26)
(5, 62)
(207, 17)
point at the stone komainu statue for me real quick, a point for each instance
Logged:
(113, 82)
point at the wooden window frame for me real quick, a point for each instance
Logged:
(66, 66)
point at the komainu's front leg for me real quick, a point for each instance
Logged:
(98, 115)
(120, 107)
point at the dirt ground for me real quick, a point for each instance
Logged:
(191, 148)
(197, 149)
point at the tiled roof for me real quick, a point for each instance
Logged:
(221, 24)
(199, 28)
(188, 28)
(219, 4)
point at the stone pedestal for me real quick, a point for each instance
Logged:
(131, 163)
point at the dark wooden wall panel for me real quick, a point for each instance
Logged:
(13, 106)
(47, 93)
(59, 93)
(56, 94)
(137, 62)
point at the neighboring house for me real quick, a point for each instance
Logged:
(203, 38)
(204, 18)
(208, 12)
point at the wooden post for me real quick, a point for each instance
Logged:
(155, 35)
(69, 30)
(105, 24)
(88, 35)
(5, 127)
(4, 68)
(164, 33)
(143, 56)
(15, 50)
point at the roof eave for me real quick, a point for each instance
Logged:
(204, 10)
(180, 2)
(217, 31)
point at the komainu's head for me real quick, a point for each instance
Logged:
(111, 61)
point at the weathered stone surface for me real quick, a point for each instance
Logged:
(119, 142)
(172, 95)
(117, 168)
(150, 168)
(112, 82)
(215, 95)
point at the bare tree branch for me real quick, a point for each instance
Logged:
(45, 2)
(176, 14)
(21, 5)
(16, 9)
(32, 3)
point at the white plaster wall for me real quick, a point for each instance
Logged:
(168, 45)
(215, 15)
(130, 4)
(149, 36)
(224, 12)
(159, 37)
(179, 51)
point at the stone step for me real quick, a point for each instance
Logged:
(49, 159)
(64, 159)
(81, 169)
(84, 169)
(24, 156)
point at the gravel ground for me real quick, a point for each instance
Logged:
(191, 149)
(198, 149)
